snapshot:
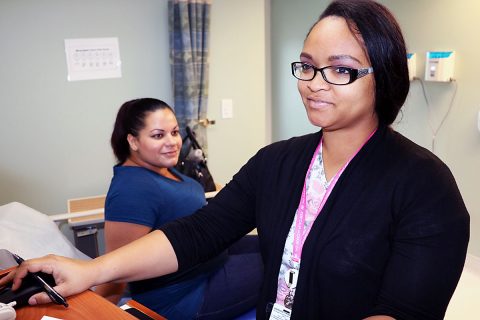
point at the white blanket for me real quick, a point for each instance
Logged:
(32, 234)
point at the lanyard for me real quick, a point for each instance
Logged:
(301, 232)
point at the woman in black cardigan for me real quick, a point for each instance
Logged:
(354, 222)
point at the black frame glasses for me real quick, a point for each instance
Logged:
(345, 75)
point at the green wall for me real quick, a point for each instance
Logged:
(55, 134)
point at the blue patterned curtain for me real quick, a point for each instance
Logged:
(189, 24)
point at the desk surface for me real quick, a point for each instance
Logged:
(83, 306)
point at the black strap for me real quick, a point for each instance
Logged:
(190, 135)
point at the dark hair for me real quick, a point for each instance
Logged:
(130, 120)
(386, 50)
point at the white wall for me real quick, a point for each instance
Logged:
(427, 25)
(238, 71)
(55, 134)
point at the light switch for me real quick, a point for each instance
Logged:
(227, 108)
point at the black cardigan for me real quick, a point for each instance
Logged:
(391, 239)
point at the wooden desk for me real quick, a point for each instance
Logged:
(84, 306)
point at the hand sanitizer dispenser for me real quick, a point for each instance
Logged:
(439, 66)
(412, 65)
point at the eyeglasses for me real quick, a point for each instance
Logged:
(332, 74)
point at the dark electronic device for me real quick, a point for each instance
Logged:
(33, 283)
(29, 287)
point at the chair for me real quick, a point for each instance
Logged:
(86, 204)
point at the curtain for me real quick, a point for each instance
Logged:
(189, 24)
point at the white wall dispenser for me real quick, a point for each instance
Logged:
(412, 66)
(439, 66)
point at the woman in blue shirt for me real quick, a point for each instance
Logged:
(145, 192)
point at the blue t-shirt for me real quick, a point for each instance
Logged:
(141, 196)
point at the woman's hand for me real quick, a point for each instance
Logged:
(148, 257)
(71, 276)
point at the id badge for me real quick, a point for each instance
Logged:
(279, 312)
(291, 278)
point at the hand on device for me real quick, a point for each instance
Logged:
(71, 276)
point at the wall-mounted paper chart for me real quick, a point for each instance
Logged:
(93, 58)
